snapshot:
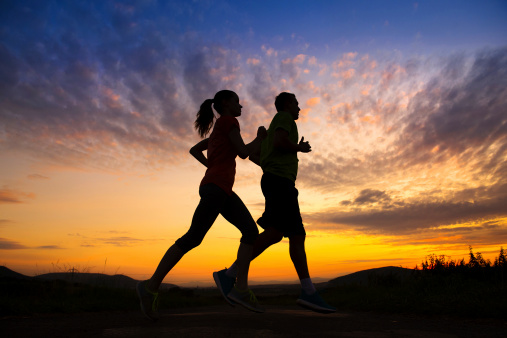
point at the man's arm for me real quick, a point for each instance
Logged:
(281, 142)
(197, 151)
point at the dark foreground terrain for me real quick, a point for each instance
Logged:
(225, 321)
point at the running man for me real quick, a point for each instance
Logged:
(281, 218)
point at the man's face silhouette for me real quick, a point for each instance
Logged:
(292, 107)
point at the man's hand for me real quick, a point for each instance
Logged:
(304, 147)
(262, 133)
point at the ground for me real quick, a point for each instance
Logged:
(225, 321)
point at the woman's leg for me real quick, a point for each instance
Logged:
(212, 200)
(171, 257)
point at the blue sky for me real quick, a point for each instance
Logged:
(403, 102)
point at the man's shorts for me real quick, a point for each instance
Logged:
(281, 206)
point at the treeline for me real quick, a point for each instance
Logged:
(477, 266)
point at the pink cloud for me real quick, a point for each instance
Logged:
(313, 101)
(253, 61)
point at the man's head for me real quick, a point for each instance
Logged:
(287, 102)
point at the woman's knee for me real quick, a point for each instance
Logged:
(187, 243)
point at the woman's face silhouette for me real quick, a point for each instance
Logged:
(232, 106)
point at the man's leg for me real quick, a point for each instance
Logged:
(309, 297)
(298, 255)
(265, 239)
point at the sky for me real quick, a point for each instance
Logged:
(403, 102)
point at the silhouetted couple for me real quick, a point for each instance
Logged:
(275, 150)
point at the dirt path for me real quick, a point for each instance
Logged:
(224, 321)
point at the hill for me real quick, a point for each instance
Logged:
(364, 276)
(8, 273)
(97, 279)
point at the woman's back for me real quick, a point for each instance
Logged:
(221, 155)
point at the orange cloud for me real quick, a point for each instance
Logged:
(390, 74)
(349, 73)
(298, 59)
(253, 61)
(313, 101)
(370, 119)
(269, 51)
(11, 196)
(346, 60)
(366, 90)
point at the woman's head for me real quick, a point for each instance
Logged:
(223, 102)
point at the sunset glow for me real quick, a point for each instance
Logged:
(403, 103)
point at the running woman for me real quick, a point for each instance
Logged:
(223, 145)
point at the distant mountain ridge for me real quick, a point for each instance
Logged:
(6, 272)
(122, 281)
(98, 279)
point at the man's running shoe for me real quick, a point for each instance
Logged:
(224, 284)
(149, 301)
(246, 299)
(314, 302)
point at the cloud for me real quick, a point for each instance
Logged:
(369, 196)
(112, 237)
(120, 240)
(313, 101)
(8, 196)
(98, 96)
(462, 115)
(37, 177)
(6, 244)
(408, 217)
(49, 247)
(4, 222)
(455, 116)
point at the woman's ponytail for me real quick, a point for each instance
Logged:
(205, 116)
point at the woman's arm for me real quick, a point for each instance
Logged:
(255, 157)
(244, 150)
(197, 151)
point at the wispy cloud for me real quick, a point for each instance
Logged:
(9, 196)
(6, 244)
(112, 237)
(4, 222)
(37, 177)
(49, 247)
